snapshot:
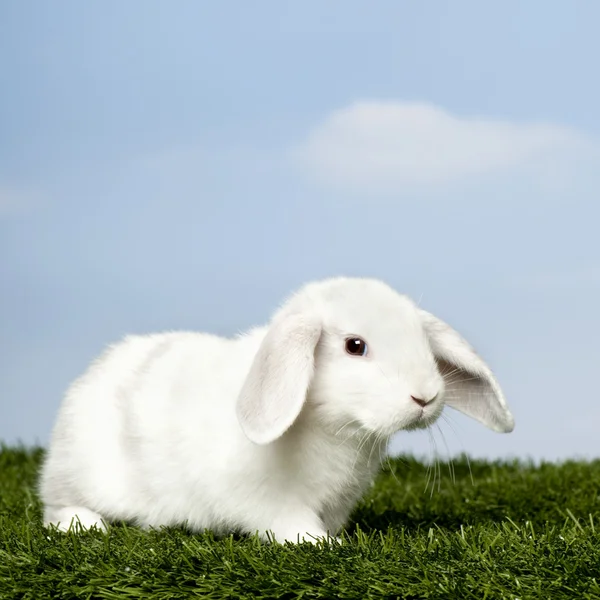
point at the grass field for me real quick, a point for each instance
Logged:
(510, 531)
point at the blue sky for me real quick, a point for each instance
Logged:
(187, 165)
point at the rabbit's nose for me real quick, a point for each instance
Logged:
(422, 402)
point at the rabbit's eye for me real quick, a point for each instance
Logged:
(356, 347)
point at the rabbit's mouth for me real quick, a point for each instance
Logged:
(427, 417)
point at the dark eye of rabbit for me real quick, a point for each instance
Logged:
(356, 347)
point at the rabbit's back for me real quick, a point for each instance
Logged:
(145, 422)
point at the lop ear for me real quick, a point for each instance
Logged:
(276, 386)
(471, 386)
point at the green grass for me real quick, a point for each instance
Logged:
(515, 531)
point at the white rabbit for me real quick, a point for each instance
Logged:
(279, 430)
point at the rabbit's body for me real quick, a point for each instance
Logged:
(276, 430)
(150, 449)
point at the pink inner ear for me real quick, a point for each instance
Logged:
(475, 396)
(462, 383)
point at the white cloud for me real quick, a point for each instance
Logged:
(386, 145)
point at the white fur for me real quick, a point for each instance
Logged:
(276, 430)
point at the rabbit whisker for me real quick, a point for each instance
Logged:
(429, 468)
(450, 462)
(339, 431)
(448, 420)
(373, 447)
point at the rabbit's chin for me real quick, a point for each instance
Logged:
(421, 421)
(424, 421)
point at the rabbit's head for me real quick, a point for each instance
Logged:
(360, 355)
